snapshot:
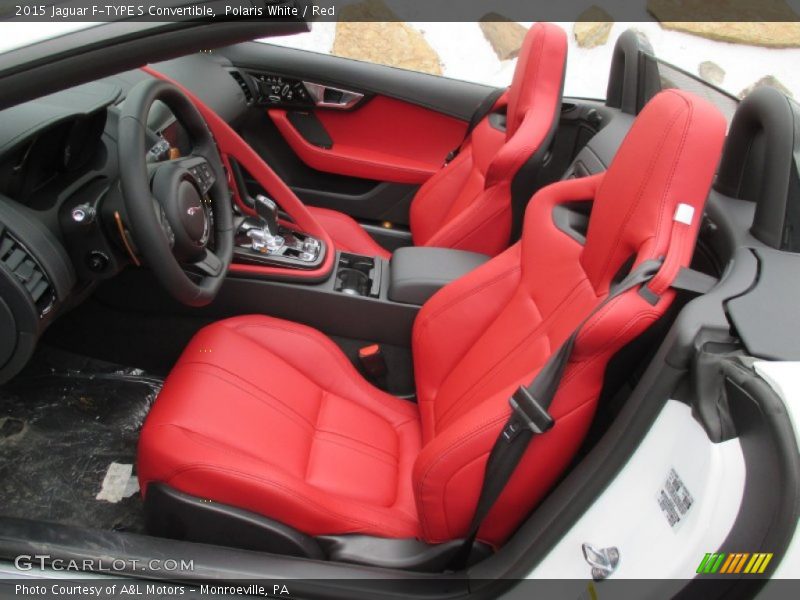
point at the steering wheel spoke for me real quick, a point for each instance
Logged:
(200, 170)
(209, 266)
(163, 221)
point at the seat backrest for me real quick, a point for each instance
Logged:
(482, 336)
(467, 204)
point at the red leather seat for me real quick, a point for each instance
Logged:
(270, 416)
(467, 204)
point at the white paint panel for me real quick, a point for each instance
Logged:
(627, 514)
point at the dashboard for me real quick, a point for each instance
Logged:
(62, 217)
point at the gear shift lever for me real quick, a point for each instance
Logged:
(265, 239)
(267, 210)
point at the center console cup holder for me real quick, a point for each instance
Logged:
(358, 275)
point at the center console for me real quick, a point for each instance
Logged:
(417, 273)
(367, 298)
(263, 240)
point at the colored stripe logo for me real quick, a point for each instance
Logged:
(735, 562)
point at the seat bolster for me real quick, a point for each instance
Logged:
(347, 234)
(483, 226)
(207, 473)
(433, 202)
(449, 471)
(320, 360)
(451, 321)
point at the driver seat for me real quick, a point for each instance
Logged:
(271, 418)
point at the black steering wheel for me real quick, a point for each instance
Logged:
(179, 210)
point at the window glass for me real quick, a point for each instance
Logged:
(486, 52)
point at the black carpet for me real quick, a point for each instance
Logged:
(63, 421)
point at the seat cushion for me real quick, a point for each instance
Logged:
(347, 234)
(271, 417)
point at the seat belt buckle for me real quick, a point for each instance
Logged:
(372, 361)
(450, 156)
(530, 413)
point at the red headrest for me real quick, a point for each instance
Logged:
(539, 75)
(663, 161)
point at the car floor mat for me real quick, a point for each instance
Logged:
(68, 431)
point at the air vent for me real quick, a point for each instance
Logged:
(239, 78)
(17, 259)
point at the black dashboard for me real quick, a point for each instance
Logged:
(41, 165)
(62, 221)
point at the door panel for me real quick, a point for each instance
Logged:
(382, 139)
(368, 158)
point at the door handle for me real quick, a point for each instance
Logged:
(325, 96)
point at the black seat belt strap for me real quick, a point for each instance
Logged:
(484, 108)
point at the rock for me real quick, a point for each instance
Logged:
(711, 72)
(667, 83)
(592, 27)
(767, 23)
(371, 32)
(767, 81)
(504, 35)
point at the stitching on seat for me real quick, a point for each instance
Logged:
(367, 446)
(668, 187)
(199, 466)
(468, 294)
(322, 396)
(446, 514)
(478, 385)
(474, 432)
(292, 411)
(349, 370)
(342, 444)
(202, 438)
(582, 364)
(421, 326)
(470, 228)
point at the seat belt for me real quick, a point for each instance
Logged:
(484, 108)
(529, 416)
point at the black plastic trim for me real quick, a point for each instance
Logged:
(634, 75)
(310, 128)
(417, 273)
(764, 316)
(448, 96)
(760, 163)
(173, 514)
(768, 516)
(405, 553)
(573, 219)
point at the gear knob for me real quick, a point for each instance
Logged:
(267, 210)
